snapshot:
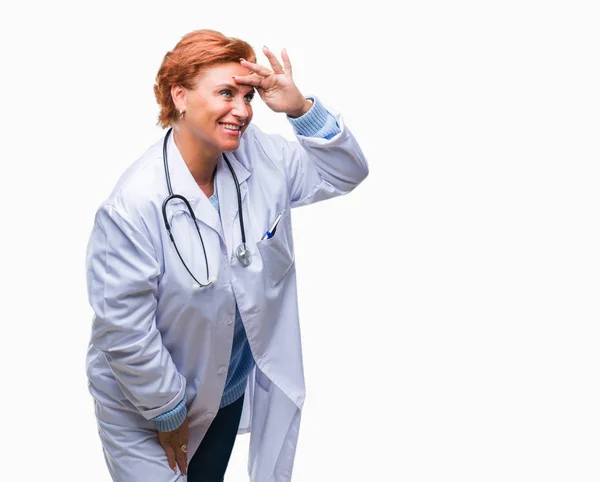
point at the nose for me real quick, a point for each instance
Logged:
(241, 109)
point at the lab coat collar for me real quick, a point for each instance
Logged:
(183, 183)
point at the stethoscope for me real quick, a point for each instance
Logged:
(242, 252)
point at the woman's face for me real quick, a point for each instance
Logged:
(217, 110)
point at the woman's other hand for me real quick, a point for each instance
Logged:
(276, 87)
(175, 445)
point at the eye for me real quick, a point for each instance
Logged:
(249, 96)
(226, 93)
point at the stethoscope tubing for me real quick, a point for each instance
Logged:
(172, 196)
(239, 200)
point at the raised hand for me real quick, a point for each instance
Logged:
(275, 87)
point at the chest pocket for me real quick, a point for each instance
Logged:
(277, 253)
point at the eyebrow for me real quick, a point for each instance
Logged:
(233, 87)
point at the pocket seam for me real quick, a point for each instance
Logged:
(266, 246)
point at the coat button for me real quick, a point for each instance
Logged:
(230, 320)
(222, 369)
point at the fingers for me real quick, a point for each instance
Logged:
(258, 69)
(181, 460)
(253, 80)
(287, 65)
(176, 457)
(275, 65)
(171, 457)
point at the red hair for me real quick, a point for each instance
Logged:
(194, 51)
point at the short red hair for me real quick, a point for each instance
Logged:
(194, 51)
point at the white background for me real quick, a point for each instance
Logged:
(450, 305)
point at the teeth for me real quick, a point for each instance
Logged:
(231, 127)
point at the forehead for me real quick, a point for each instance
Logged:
(220, 74)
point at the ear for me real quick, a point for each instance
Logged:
(178, 94)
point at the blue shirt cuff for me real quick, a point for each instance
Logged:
(317, 122)
(169, 421)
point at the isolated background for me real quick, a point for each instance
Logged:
(449, 306)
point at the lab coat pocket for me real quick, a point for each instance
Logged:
(277, 253)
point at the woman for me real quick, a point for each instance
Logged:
(195, 335)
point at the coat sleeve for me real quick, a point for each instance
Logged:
(315, 168)
(122, 275)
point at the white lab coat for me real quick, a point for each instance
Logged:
(155, 338)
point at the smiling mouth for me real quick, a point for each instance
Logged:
(231, 127)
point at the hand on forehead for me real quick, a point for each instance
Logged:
(222, 74)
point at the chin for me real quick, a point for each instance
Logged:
(230, 146)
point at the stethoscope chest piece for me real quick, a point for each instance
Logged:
(243, 254)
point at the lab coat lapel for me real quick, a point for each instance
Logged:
(228, 201)
(183, 183)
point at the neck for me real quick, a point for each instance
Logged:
(200, 160)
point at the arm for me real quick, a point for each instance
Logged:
(122, 273)
(315, 122)
(316, 168)
(326, 162)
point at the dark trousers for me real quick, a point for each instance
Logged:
(210, 460)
